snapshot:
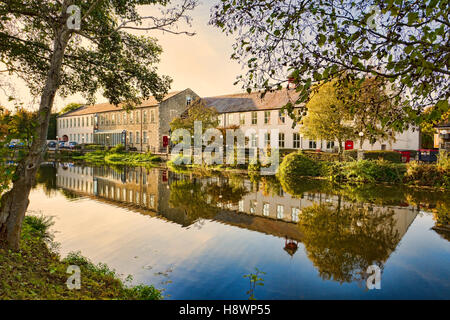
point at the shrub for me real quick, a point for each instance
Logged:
(120, 148)
(373, 171)
(427, 174)
(391, 156)
(297, 165)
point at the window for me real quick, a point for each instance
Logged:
(267, 139)
(253, 140)
(145, 136)
(152, 200)
(137, 137)
(312, 144)
(137, 117)
(113, 120)
(281, 140)
(145, 117)
(219, 118)
(242, 118)
(131, 137)
(131, 117)
(254, 117)
(330, 144)
(280, 211)
(78, 122)
(188, 101)
(230, 119)
(294, 214)
(297, 142)
(281, 116)
(124, 117)
(383, 147)
(252, 206)
(241, 206)
(266, 209)
(267, 117)
(152, 116)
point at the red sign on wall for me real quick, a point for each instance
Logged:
(349, 145)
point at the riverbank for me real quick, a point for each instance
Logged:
(36, 272)
(119, 158)
(297, 165)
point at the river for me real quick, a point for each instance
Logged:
(198, 236)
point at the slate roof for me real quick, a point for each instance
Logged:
(241, 102)
(103, 107)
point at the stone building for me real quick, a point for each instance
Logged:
(257, 116)
(146, 128)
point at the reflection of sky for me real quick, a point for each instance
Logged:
(210, 262)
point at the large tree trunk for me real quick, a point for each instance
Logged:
(14, 203)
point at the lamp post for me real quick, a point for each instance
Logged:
(360, 150)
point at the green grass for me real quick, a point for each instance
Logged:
(115, 158)
(35, 272)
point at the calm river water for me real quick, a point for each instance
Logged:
(196, 237)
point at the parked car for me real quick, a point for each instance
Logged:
(72, 145)
(61, 144)
(51, 145)
(14, 143)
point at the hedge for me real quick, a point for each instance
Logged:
(392, 156)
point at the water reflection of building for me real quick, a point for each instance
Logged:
(149, 192)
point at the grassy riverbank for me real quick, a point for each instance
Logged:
(37, 272)
(117, 156)
(298, 165)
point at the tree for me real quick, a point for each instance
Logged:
(328, 117)
(70, 107)
(404, 42)
(372, 111)
(198, 111)
(41, 42)
(332, 239)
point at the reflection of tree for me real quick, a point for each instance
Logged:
(225, 193)
(441, 215)
(70, 195)
(342, 242)
(189, 197)
(46, 176)
(202, 201)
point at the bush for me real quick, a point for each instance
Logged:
(297, 165)
(428, 174)
(120, 148)
(392, 156)
(373, 171)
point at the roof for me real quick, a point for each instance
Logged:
(252, 101)
(104, 107)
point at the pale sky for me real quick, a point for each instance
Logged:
(201, 62)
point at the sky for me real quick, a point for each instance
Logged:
(200, 62)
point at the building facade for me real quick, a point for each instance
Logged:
(442, 137)
(147, 127)
(257, 116)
